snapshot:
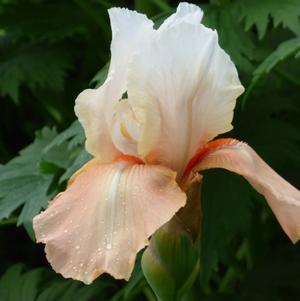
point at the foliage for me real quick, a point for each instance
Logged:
(52, 50)
(37, 285)
(258, 13)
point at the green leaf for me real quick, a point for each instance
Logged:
(225, 19)
(81, 158)
(226, 209)
(275, 277)
(33, 64)
(74, 135)
(70, 290)
(66, 147)
(285, 50)
(37, 20)
(29, 181)
(17, 284)
(100, 76)
(27, 163)
(258, 13)
(22, 185)
(170, 263)
(137, 284)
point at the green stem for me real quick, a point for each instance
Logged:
(9, 221)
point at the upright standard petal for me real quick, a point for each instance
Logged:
(183, 89)
(95, 107)
(283, 198)
(185, 12)
(105, 217)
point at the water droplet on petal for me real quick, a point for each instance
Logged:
(108, 246)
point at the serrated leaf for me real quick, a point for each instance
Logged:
(35, 64)
(27, 163)
(22, 185)
(285, 50)
(69, 291)
(17, 284)
(74, 135)
(81, 158)
(225, 19)
(30, 180)
(51, 21)
(258, 13)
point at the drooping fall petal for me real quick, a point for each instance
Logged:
(105, 217)
(283, 198)
(183, 89)
(95, 107)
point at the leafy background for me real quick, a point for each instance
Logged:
(52, 50)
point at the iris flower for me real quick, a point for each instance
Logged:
(169, 92)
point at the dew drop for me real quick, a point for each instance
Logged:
(77, 247)
(108, 246)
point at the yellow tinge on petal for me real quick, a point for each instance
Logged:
(95, 107)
